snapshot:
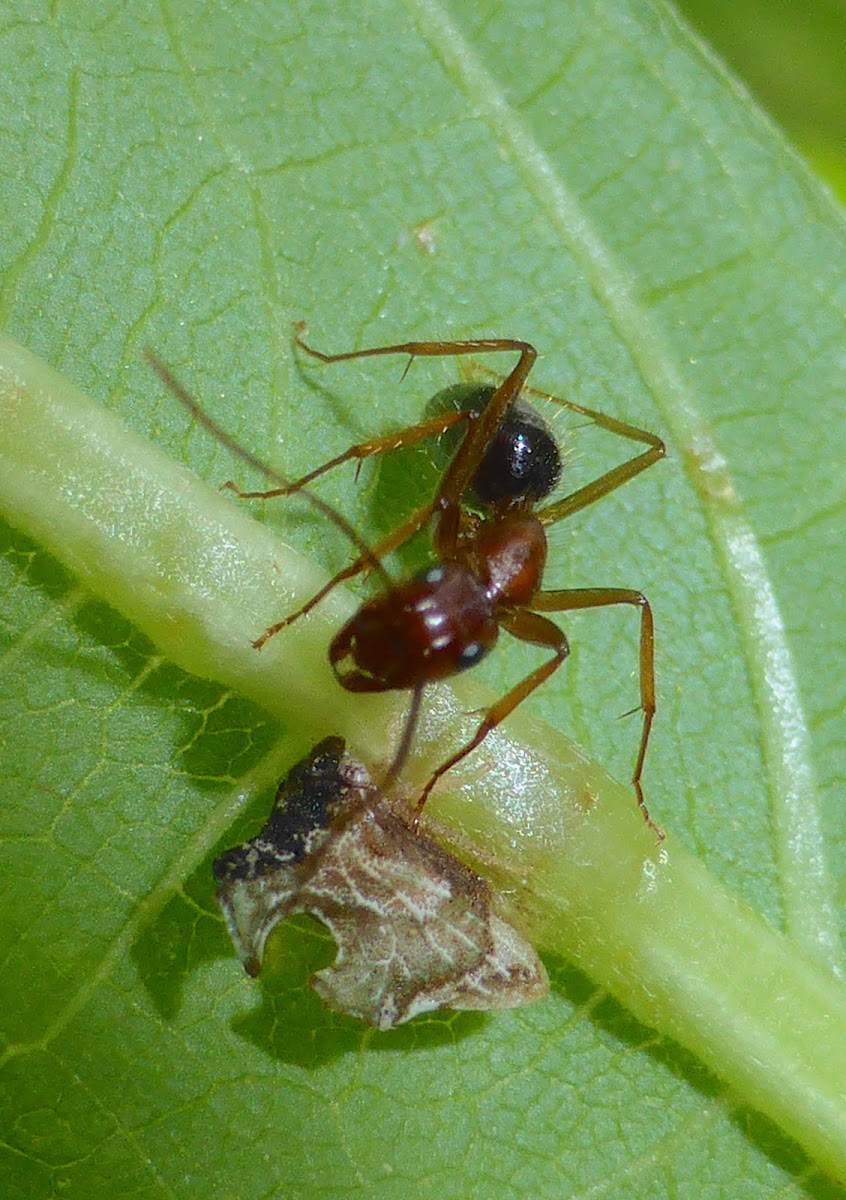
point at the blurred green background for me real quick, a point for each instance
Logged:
(792, 56)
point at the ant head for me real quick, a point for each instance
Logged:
(429, 627)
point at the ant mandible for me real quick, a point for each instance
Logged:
(490, 567)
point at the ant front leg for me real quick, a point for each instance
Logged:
(528, 627)
(580, 598)
(393, 541)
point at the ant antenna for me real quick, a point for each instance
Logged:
(185, 398)
(404, 749)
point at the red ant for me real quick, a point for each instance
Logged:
(489, 567)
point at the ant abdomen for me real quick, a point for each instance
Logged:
(438, 623)
(522, 462)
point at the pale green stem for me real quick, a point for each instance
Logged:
(575, 864)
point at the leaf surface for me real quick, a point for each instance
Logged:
(582, 176)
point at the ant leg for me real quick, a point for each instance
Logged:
(431, 349)
(580, 598)
(612, 479)
(465, 463)
(528, 627)
(359, 452)
(394, 539)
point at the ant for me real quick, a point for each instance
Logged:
(489, 565)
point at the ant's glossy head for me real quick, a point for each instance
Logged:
(432, 626)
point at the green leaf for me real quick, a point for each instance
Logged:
(584, 177)
(793, 56)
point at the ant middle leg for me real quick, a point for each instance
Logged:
(359, 452)
(570, 600)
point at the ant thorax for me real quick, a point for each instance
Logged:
(507, 552)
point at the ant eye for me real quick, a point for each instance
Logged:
(471, 654)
